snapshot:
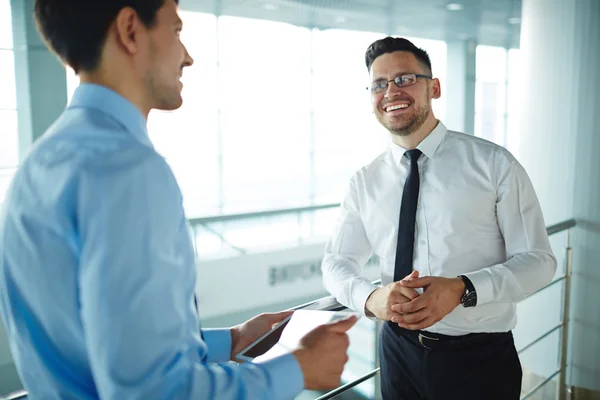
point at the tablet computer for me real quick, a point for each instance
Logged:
(285, 336)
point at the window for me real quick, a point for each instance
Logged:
(346, 133)
(515, 85)
(265, 113)
(6, 38)
(490, 94)
(189, 137)
(9, 145)
(274, 115)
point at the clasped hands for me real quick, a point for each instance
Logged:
(399, 302)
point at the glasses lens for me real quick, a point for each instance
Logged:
(405, 80)
(379, 86)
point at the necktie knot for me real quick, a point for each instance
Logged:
(413, 155)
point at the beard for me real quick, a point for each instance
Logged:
(406, 125)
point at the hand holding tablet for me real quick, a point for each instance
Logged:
(317, 339)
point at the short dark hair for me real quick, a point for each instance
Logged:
(76, 29)
(391, 44)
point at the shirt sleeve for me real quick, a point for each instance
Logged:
(530, 262)
(346, 253)
(218, 342)
(136, 290)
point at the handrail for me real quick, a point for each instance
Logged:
(259, 214)
(329, 303)
(540, 385)
(21, 394)
(349, 385)
(561, 226)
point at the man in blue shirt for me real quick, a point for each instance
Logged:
(97, 269)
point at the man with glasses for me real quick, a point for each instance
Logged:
(460, 236)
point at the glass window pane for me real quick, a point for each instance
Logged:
(515, 88)
(491, 63)
(265, 99)
(6, 38)
(490, 94)
(346, 133)
(8, 91)
(189, 137)
(9, 140)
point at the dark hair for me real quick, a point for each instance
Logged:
(76, 29)
(391, 44)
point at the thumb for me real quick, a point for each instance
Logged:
(343, 325)
(277, 317)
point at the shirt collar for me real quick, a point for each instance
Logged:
(101, 98)
(428, 146)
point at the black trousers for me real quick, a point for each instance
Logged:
(418, 365)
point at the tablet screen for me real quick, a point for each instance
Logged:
(286, 336)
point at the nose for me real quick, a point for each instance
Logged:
(188, 60)
(392, 90)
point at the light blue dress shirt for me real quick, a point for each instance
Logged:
(97, 271)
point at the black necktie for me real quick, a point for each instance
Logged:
(408, 213)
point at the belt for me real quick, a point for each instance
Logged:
(431, 340)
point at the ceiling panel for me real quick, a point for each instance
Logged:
(488, 22)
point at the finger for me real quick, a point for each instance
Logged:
(411, 276)
(399, 290)
(397, 298)
(413, 318)
(277, 317)
(426, 323)
(417, 283)
(392, 315)
(343, 325)
(413, 306)
(409, 293)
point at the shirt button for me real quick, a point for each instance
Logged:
(422, 242)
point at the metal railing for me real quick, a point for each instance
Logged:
(328, 303)
(207, 222)
(21, 394)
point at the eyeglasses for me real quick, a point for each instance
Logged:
(400, 81)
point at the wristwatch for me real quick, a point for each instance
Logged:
(469, 297)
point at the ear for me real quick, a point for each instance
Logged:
(128, 28)
(436, 91)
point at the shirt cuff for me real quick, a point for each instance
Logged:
(484, 286)
(285, 376)
(362, 291)
(218, 342)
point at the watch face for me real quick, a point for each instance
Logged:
(469, 299)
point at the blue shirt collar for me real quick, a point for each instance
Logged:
(101, 98)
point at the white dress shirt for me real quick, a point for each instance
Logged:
(477, 215)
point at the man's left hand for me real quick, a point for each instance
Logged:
(440, 296)
(245, 334)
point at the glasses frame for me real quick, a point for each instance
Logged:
(397, 81)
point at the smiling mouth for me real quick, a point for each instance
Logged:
(397, 107)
